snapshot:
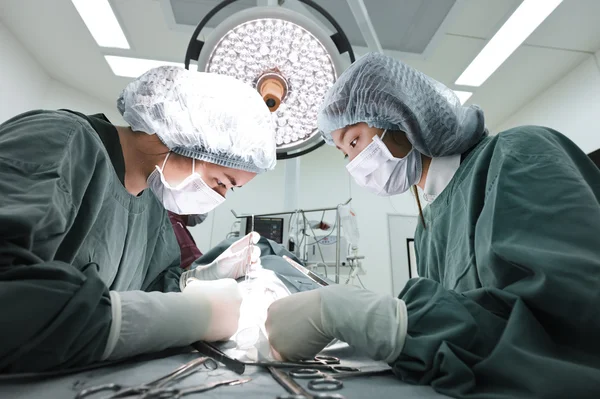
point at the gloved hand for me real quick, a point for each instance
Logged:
(232, 263)
(224, 300)
(301, 325)
(144, 322)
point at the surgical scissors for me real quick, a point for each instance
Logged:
(177, 393)
(330, 363)
(331, 382)
(296, 391)
(327, 363)
(121, 391)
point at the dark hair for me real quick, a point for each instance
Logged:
(416, 193)
(394, 135)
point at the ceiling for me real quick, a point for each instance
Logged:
(409, 26)
(439, 37)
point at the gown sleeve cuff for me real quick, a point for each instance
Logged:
(402, 318)
(154, 321)
(115, 325)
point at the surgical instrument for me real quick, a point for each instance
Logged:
(324, 367)
(321, 359)
(323, 362)
(123, 391)
(176, 393)
(326, 363)
(249, 251)
(313, 276)
(321, 381)
(296, 391)
(210, 350)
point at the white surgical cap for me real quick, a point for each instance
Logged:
(210, 117)
(388, 94)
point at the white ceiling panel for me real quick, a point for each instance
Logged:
(410, 25)
(528, 72)
(482, 18)
(64, 47)
(190, 12)
(574, 25)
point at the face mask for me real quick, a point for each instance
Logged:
(377, 170)
(194, 220)
(192, 196)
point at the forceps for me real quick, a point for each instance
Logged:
(251, 250)
(321, 359)
(328, 363)
(331, 382)
(177, 393)
(121, 391)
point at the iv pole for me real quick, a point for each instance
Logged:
(338, 228)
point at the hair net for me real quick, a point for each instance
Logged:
(210, 117)
(388, 94)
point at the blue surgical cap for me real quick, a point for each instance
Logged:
(388, 94)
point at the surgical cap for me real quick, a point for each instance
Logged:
(388, 94)
(209, 117)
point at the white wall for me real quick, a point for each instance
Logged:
(25, 85)
(571, 106)
(23, 82)
(324, 183)
(60, 96)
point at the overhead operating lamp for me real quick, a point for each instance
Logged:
(290, 60)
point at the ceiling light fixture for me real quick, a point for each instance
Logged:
(286, 56)
(102, 23)
(529, 15)
(463, 96)
(134, 67)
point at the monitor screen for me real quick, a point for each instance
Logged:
(271, 228)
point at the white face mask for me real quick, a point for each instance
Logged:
(191, 197)
(377, 170)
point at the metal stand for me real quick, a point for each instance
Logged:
(354, 268)
(338, 228)
(338, 248)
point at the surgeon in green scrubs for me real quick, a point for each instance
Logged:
(507, 304)
(89, 263)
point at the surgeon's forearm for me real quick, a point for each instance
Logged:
(375, 324)
(145, 322)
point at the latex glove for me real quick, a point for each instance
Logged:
(302, 325)
(295, 327)
(144, 322)
(224, 301)
(232, 263)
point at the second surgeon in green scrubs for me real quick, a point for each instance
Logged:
(89, 263)
(508, 250)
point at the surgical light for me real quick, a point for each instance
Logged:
(287, 57)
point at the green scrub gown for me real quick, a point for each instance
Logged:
(508, 305)
(69, 233)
